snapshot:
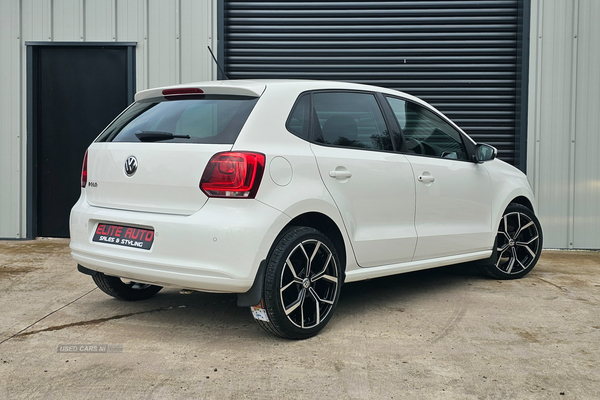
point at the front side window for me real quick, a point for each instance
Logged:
(426, 133)
(200, 119)
(349, 119)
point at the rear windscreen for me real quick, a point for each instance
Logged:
(197, 119)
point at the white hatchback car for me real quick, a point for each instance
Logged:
(281, 191)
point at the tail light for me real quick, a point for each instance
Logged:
(84, 171)
(233, 174)
(182, 91)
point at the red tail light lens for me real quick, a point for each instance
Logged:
(233, 174)
(181, 91)
(84, 171)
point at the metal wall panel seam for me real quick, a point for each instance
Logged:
(146, 44)
(211, 37)
(22, 176)
(113, 20)
(538, 96)
(82, 20)
(178, 40)
(140, 49)
(573, 127)
(26, 32)
(50, 21)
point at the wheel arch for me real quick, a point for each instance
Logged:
(328, 227)
(518, 195)
(312, 219)
(524, 201)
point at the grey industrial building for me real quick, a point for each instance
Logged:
(522, 75)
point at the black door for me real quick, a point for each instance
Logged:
(77, 91)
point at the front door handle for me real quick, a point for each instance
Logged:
(426, 178)
(340, 174)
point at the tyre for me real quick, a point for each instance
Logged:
(518, 244)
(302, 284)
(119, 289)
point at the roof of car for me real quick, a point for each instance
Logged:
(256, 88)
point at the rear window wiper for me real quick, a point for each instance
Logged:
(155, 136)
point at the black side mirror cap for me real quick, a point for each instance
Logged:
(485, 152)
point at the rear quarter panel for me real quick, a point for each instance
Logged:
(291, 182)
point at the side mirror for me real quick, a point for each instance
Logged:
(485, 152)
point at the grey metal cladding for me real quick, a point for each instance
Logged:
(461, 56)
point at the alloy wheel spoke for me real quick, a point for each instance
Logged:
(529, 242)
(499, 260)
(522, 228)
(519, 225)
(503, 248)
(299, 301)
(290, 284)
(506, 227)
(503, 251)
(318, 275)
(302, 307)
(301, 245)
(511, 263)
(528, 248)
(329, 278)
(521, 264)
(292, 269)
(317, 304)
(312, 257)
(314, 294)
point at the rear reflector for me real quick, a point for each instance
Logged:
(233, 174)
(84, 171)
(181, 91)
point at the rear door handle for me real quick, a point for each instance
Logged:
(340, 174)
(426, 178)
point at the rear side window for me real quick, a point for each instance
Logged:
(198, 119)
(298, 121)
(350, 120)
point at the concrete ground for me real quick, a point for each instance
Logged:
(442, 334)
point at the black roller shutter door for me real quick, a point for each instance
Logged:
(461, 56)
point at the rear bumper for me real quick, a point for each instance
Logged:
(217, 249)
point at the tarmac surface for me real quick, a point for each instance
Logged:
(447, 333)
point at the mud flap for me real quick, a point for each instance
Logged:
(253, 296)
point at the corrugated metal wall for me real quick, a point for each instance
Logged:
(564, 123)
(172, 36)
(461, 56)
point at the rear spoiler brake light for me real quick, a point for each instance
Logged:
(182, 91)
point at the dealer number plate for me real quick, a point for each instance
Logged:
(124, 236)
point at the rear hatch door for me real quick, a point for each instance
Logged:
(151, 158)
(166, 179)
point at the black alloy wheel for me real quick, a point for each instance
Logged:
(302, 284)
(518, 244)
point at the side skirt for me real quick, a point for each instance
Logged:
(393, 269)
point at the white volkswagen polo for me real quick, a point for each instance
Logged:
(281, 191)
